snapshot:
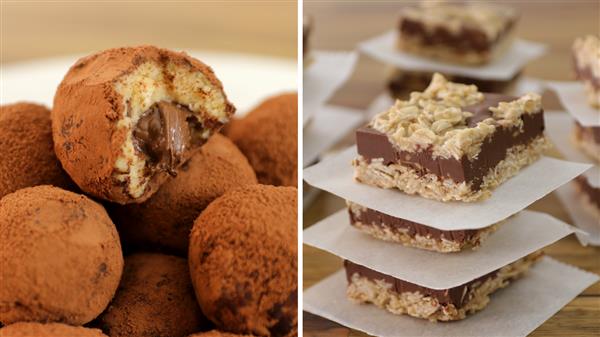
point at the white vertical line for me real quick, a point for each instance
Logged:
(300, 81)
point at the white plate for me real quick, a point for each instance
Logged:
(247, 79)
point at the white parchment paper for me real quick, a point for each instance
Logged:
(559, 126)
(519, 236)
(326, 73)
(514, 311)
(335, 175)
(328, 126)
(572, 96)
(384, 48)
(583, 219)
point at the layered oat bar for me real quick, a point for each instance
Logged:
(461, 33)
(413, 234)
(450, 142)
(404, 298)
(587, 139)
(586, 54)
(402, 82)
(589, 196)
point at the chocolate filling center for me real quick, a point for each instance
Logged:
(165, 134)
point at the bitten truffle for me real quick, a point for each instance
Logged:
(217, 333)
(164, 221)
(60, 255)
(34, 329)
(125, 119)
(26, 149)
(243, 261)
(155, 298)
(268, 136)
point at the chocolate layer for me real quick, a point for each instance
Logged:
(593, 193)
(465, 40)
(372, 217)
(592, 131)
(456, 295)
(165, 133)
(373, 144)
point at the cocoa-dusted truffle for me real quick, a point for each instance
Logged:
(26, 149)
(268, 136)
(60, 255)
(126, 118)
(243, 261)
(34, 329)
(217, 333)
(155, 298)
(164, 221)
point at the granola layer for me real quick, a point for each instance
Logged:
(411, 234)
(431, 186)
(403, 298)
(441, 119)
(401, 82)
(469, 34)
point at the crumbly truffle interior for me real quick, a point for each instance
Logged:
(168, 110)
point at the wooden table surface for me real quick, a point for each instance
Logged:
(341, 26)
(42, 28)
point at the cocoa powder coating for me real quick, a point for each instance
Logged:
(164, 221)
(26, 149)
(243, 261)
(60, 255)
(155, 298)
(87, 109)
(34, 329)
(268, 136)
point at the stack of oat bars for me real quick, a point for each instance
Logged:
(450, 147)
(586, 53)
(582, 125)
(472, 43)
(447, 143)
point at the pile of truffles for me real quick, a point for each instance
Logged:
(125, 211)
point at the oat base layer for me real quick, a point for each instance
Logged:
(442, 245)
(432, 187)
(380, 293)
